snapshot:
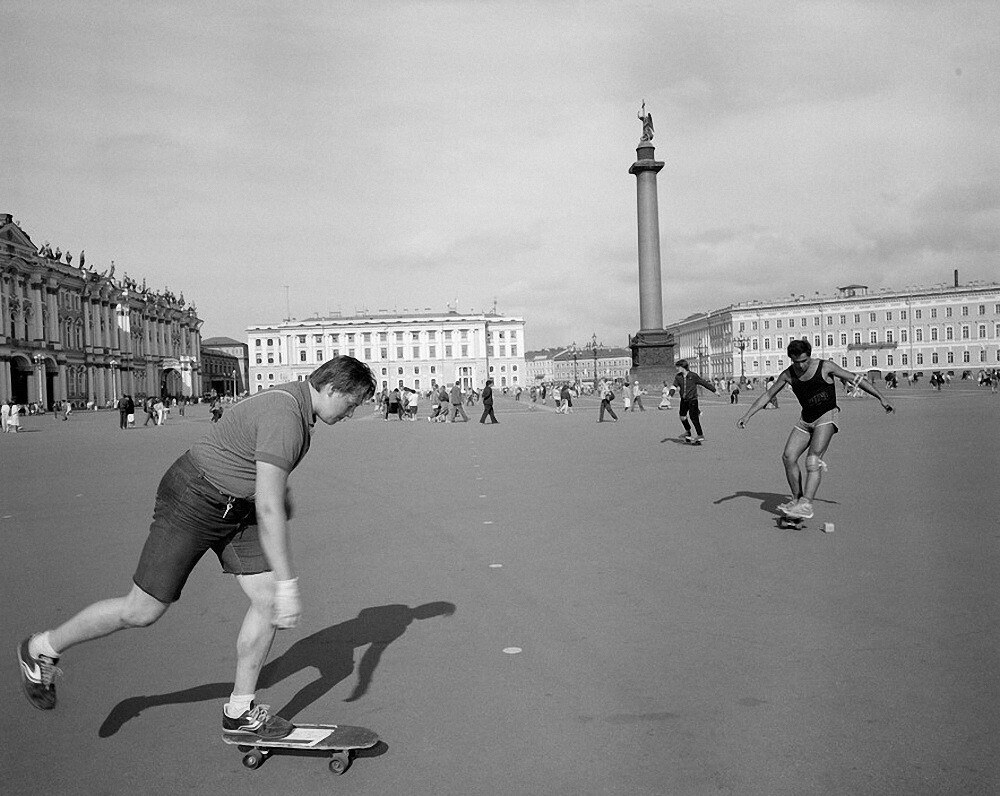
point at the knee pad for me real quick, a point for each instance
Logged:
(814, 464)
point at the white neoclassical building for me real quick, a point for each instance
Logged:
(922, 329)
(415, 350)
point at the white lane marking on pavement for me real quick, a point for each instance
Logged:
(512, 650)
(496, 566)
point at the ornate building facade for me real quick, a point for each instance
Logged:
(69, 333)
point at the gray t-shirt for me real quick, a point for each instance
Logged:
(273, 426)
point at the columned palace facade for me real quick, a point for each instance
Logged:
(69, 333)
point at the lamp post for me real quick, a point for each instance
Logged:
(741, 343)
(234, 384)
(593, 345)
(576, 352)
(114, 381)
(700, 349)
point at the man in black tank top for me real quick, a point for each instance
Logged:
(812, 381)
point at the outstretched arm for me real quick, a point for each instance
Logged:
(765, 398)
(857, 380)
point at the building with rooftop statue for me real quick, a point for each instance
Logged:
(69, 332)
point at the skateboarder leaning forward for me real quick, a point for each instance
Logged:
(812, 381)
(227, 494)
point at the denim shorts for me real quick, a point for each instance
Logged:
(190, 518)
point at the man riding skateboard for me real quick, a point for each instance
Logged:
(812, 382)
(228, 494)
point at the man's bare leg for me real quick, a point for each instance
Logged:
(135, 609)
(241, 713)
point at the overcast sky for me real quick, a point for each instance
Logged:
(390, 155)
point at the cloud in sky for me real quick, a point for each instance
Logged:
(403, 154)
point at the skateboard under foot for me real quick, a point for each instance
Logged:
(341, 740)
(791, 523)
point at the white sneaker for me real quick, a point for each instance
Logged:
(803, 510)
(784, 508)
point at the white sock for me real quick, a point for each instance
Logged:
(238, 704)
(40, 645)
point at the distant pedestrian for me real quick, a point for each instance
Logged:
(488, 403)
(67, 410)
(734, 392)
(126, 409)
(147, 407)
(566, 397)
(637, 397)
(14, 420)
(607, 396)
(4, 416)
(664, 396)
(456, 404)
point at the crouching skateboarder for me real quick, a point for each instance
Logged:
(227, 494)
(812, 381)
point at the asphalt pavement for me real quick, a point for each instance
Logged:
(545, 606)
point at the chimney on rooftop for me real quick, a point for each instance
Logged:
(956, 277)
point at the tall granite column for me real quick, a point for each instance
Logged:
(652, 347)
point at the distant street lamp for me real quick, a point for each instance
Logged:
(741, 343)
(575, 351)
(234, 383)
(593, 345)
(700, 349)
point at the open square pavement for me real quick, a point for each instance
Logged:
(673, 640)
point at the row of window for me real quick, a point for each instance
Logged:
(873, 317)
(447, 352)
(889, 360)
(383, 337)
(889, 336)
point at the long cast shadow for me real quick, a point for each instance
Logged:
(330, 651)
(769, 501)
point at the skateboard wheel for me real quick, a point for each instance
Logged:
(253, 759)
(339, 763)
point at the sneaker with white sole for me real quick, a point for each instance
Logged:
(784, 508)
(257, 722)
(801, 510)
(38, 677)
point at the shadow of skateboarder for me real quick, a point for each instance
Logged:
(330, 651)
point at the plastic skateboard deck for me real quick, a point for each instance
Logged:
(338, 739)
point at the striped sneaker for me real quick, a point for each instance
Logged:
(38, 677)
(256, 722)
